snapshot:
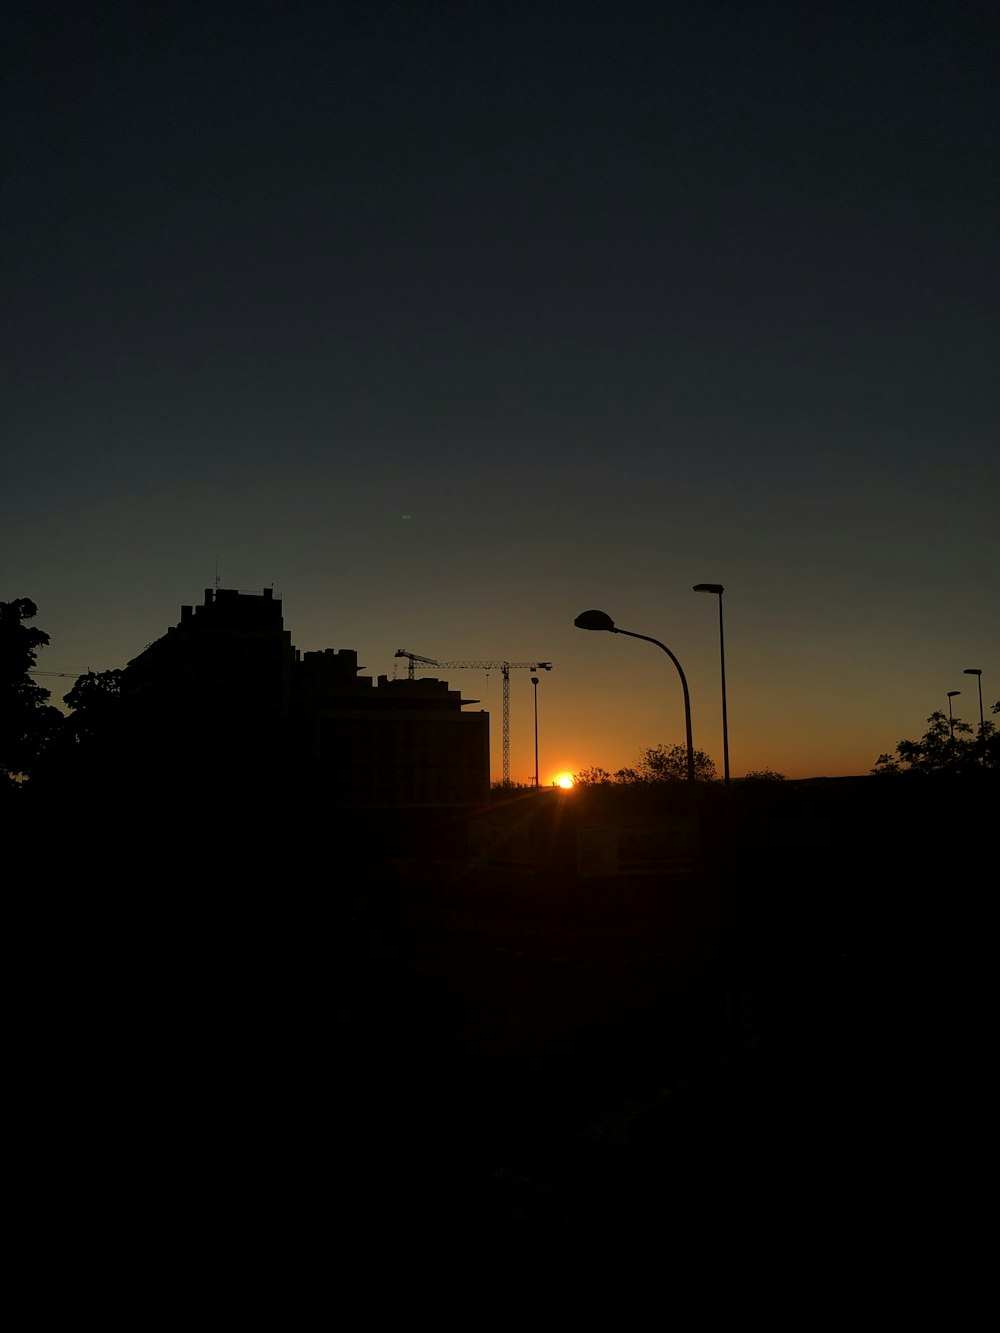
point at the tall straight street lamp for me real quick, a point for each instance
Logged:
(719, 590)
(534, 682)
(601, 620)
(977, 672)
(951, 720)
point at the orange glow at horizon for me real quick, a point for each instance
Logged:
(564, 780)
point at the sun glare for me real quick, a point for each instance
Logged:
(564, 780)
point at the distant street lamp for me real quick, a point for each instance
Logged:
(718, 589)
(977, 672)
(951, 720)
(534, 681)
(602, 621)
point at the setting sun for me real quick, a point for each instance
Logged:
(564, 780)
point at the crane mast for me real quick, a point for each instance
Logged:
(504, 668)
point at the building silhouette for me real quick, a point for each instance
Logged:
(397, 743)
(228, 722)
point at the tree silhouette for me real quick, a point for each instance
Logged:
(668, 763)
(595, 777)
(658, 763)
(947, 746)
(28, 725)
(94, 700)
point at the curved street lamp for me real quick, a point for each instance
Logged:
(600, 620)
(718, 589)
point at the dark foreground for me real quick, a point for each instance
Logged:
(255, 1083)
(573, 1119)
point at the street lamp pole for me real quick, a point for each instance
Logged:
(977, 672)
(719, 590)
(534, 681)
(601, 620)
(951, 720)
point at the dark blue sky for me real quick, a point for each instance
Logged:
(609, 299)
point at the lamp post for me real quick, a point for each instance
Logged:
(951, 720)
(534, 682)
(601, 620)
(718, 589)
(977, 672)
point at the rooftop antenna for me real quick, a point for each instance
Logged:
(216, 573)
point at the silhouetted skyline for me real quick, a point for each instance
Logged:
(451, 322)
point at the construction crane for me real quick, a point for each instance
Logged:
(505, 668)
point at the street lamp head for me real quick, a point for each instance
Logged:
(595, 620)
(952, 693)
(972, 671)
(534, 680)
(709, 587)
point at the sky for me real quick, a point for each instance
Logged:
(453, 320)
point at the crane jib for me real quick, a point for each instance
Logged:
(465, 664)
